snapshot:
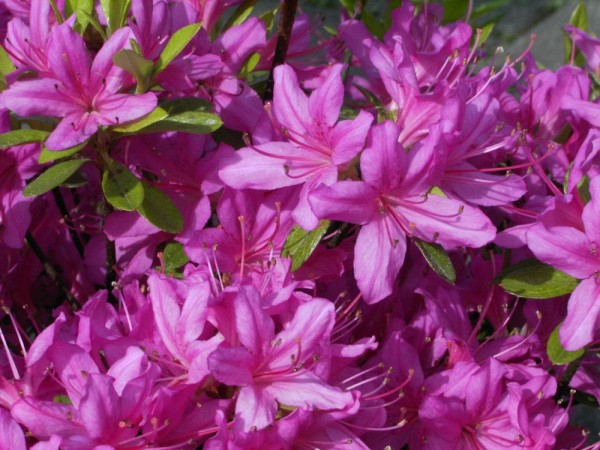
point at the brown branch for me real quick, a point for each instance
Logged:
(286, 23)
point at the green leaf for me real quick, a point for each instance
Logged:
(250, 65)
(63, 399)
(52, 155)
(160, 210)
(350, 6)
(579, 19)
(115, 12)
(20, 137)
(583, 187)
(557, 353)
(6, 64)
(438, 259)
(139, 67)
(533, 279)
(300, 244)
(133, 127)
(53, 177)
(174, 257)
(186, 114)
(240, 14)
(180, 39)
(121, 188)
(83, 10)
(268, 19)
(485, 33)
(93, 22)
(371, 22)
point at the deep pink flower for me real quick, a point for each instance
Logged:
(272, 368)
(318, 144)
(83, 93)
(392, 203)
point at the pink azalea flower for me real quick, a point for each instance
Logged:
(570, 243)
(274, 369)
(83, 93)
(392, 203)
(317, 147)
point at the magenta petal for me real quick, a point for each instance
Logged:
(240, 41)
(484, 189)
(378, 259)
(100, 408)
(583, 312)
(308, 391)
(255, 407)
(72, 130)
(348, 201)
(73, 364)
(312, 324)
(12, 435)
(68, 57)
(40, 97)
(325, 102)
(383, 163)
(232, 365)
(254, 170)
(348, 137)
(290, 104)
(118, 108)
(565, 248)
(591, 213)
(103, 71)
(254, 326)
(447, 221)
(44, 418)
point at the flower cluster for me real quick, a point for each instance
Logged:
(222, 232)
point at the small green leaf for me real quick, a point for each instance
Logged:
(63, 399)
(557, 353)
(268, 19)
(53, 177)
(350, 6)
(438, 259)
(174, 257)
(583, 187)
(115, 12)
(133, 127)
(371, 22)
(533, 279)
(240, 14)
(250, 65)
(121, 188)
(52, 155)
(160, 210)
(6, 64)
(300, 243)
(485, 33)
(21, 137)
(579, 19)
(82, 9)
(139, 67)
(180, 39)
(437, 191)
(188, 115)
(93, 22)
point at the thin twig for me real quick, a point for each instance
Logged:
(286, 23)
(51, 270)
